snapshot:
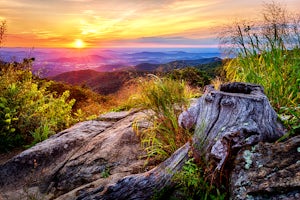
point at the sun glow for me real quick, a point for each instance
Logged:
(78, 43)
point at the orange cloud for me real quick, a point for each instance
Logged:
(58, 23)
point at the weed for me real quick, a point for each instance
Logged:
(105, 173)
(166, 99)
(193, 184)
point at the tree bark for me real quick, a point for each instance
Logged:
(225, 121)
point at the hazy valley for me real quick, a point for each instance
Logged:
(107, 71)
(52, 62)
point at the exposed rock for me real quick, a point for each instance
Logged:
(87, 155)
(267, 172)
(114, 116)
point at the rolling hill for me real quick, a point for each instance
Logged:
(110, 82)
(101, 82)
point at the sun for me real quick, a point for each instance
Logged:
(78, 43)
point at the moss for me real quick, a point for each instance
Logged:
(247, 156)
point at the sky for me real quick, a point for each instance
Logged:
(122, 23)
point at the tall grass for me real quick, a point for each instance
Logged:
(166, 99)
(268, 53)
(277, 70)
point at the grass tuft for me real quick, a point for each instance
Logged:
(166, 99)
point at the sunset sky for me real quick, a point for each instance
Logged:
(122, 23)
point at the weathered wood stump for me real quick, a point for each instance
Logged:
(225, 121)
(236, 116)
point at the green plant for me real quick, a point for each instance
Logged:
(191, 75)
(105, 173)
(277, 70)
(193, 184)
(291, 119)
(7, 119)
(28, 111)
(166, 99)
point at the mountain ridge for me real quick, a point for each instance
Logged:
(104, 82)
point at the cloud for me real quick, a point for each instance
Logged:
(174, 40)
(149, 21)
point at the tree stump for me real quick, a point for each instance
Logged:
(225, 121)
(236, 116)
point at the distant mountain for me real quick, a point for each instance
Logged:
(82, 59)
(149, 67)
(76, 77)
(105, 82)
(101, 82)
(148, 54)
(152, 67)
(178, 64)
(111, 67)
(51, 62)
(164, 57)
(169, 54)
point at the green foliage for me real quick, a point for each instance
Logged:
(84, 96)
(47, 115)
(277, 70)
(28, 111)
(8, 117)
(105, 173)
(193, 185)
(211, 69)
(191, 75)
(291, 119)
(166, 99)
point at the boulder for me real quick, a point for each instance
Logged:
(267, 171)
(90, 154)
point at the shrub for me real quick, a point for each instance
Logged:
(88, 104)
(191, 75)
(166, 99)
(28, 112)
